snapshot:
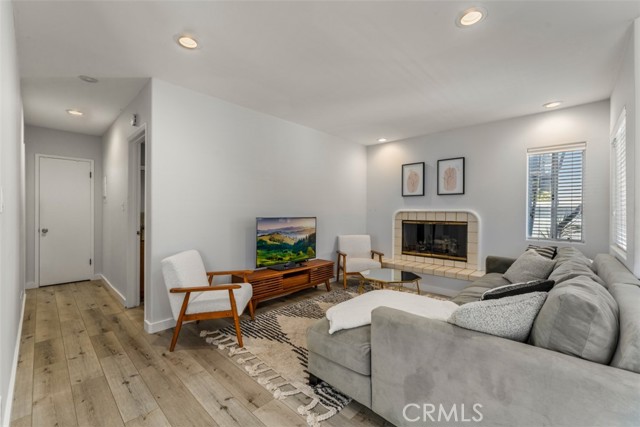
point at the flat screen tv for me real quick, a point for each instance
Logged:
(283, 242)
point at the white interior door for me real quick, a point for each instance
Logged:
(65, 228)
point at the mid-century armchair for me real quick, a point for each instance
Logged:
(193, 296)
(355, 255)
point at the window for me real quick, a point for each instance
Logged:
(619, 184)
(555, 189)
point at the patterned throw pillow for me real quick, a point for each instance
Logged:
(545, 251)
(510, 317)
(518, 289)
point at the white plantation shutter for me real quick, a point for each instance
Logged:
(619, 183)
(555, 192)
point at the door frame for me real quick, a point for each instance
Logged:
(132, 294)
(36, 229)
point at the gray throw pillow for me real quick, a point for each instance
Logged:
(509, 317)
(545, 251)
(572, 269)
(580, 318)
(529, 266)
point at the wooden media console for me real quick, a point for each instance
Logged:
(269, 284)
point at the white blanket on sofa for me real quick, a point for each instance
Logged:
(357, 311)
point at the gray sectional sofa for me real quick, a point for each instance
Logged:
(415, 371)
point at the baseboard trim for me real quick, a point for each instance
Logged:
(116, 293)
(30, 285)
(6, 421)
(160, 325)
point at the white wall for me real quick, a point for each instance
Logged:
(626, 94)
(115, 158)
(496, 176)
(12, 217)
(213, 167)
(40, 140)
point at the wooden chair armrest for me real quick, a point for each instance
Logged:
(204, 288)
(341, 253)
(380, 255)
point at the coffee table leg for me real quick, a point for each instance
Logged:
(361, 286)
(418, 285)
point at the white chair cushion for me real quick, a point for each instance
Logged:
(204, 302)
(356, 265)
(183, 270)
(355, 245)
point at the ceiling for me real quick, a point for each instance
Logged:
(359, 70)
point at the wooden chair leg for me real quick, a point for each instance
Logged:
(236, 319)
(344, 279)
(252, 310)
(176, 331)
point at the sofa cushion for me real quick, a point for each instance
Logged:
(545, 251)
(349, 347)
(627, 355)
(474, 291)
(513, 289)
(509, 317)
(574, 268)
(529, 266)
(579, 318)
(570, 253)
(612, 271)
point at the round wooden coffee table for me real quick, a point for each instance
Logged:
(380, 278)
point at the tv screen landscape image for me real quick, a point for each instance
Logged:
(285, 240)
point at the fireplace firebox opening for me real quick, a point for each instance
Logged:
(435, 239)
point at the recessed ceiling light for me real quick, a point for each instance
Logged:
(553, 104)
(187, 42)
(75, 112)
(471, 16)
(382, 139)
(88, 79)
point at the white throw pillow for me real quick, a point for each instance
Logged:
(508, 317)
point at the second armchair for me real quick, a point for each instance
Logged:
(355, 255)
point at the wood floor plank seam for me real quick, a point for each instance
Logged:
(194, 386)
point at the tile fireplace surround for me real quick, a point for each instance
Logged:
(431, 265)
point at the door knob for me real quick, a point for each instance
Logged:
(45, 230)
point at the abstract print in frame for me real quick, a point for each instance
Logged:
(413, 179)
(451, 176)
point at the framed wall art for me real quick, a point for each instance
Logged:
(413, 179)
(451, 176)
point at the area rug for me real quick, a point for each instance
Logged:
(275, 353)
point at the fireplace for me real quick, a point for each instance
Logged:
(435, 239)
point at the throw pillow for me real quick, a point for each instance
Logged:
(572, 269)
(510, 317)
(518, 289)
(529, 266)
(580, 318)
(568, 253)
(545, 251)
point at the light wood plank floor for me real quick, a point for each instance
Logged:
(86, 361)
